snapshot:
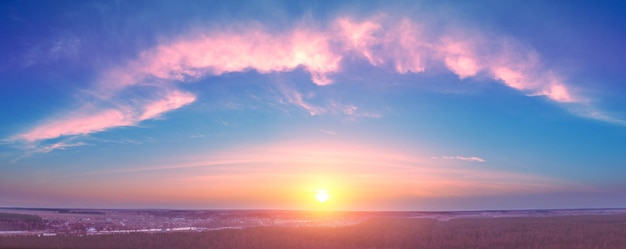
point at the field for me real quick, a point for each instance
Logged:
(567, 232)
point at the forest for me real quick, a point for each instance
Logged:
(567, 232)
(9, 221)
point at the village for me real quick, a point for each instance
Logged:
(53, 222)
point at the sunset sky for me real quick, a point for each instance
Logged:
(405, 105)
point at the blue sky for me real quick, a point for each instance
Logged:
(408, 105)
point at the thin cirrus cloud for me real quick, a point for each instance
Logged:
(294, 97)
(461, 158)
(95, 120)
(332, 133)
(403, 45)
(66, 46)
(355, 170)
(60, 146)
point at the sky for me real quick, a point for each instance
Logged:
(389, 105)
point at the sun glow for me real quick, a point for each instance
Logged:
(321, 195)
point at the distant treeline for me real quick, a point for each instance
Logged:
(58, 210)
(567, 232)
(65, 211)
(20, 222)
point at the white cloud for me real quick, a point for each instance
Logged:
(332, 133)
(58, 146)
(461, 158)
(294, 97)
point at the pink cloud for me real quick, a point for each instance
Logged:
(463, 66)
(504, 60)
(77, 124)
(296, 98)
(559, 92)
(90, 120)
(171, 101)
(408, 48)
(459, 57)
(534, 83)
(216, 53)
(360, 37)
(403, 45)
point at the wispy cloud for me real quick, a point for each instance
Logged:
(223, 51)
(356, 167)
(61, 47)
(59, 146)
(405, 45)
(351, 111)
(461, 158)
(409, 48)
(400, 44)
(332, 133)
(594, 113)
(93, 119)
(296, 98)
(47, 147)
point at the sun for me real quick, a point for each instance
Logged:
(321, 195)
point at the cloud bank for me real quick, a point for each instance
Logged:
(152, 81)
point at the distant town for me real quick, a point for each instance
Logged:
(52, 221)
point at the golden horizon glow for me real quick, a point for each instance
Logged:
(331, 176)
(321, 195)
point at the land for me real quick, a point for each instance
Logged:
(155, 228)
